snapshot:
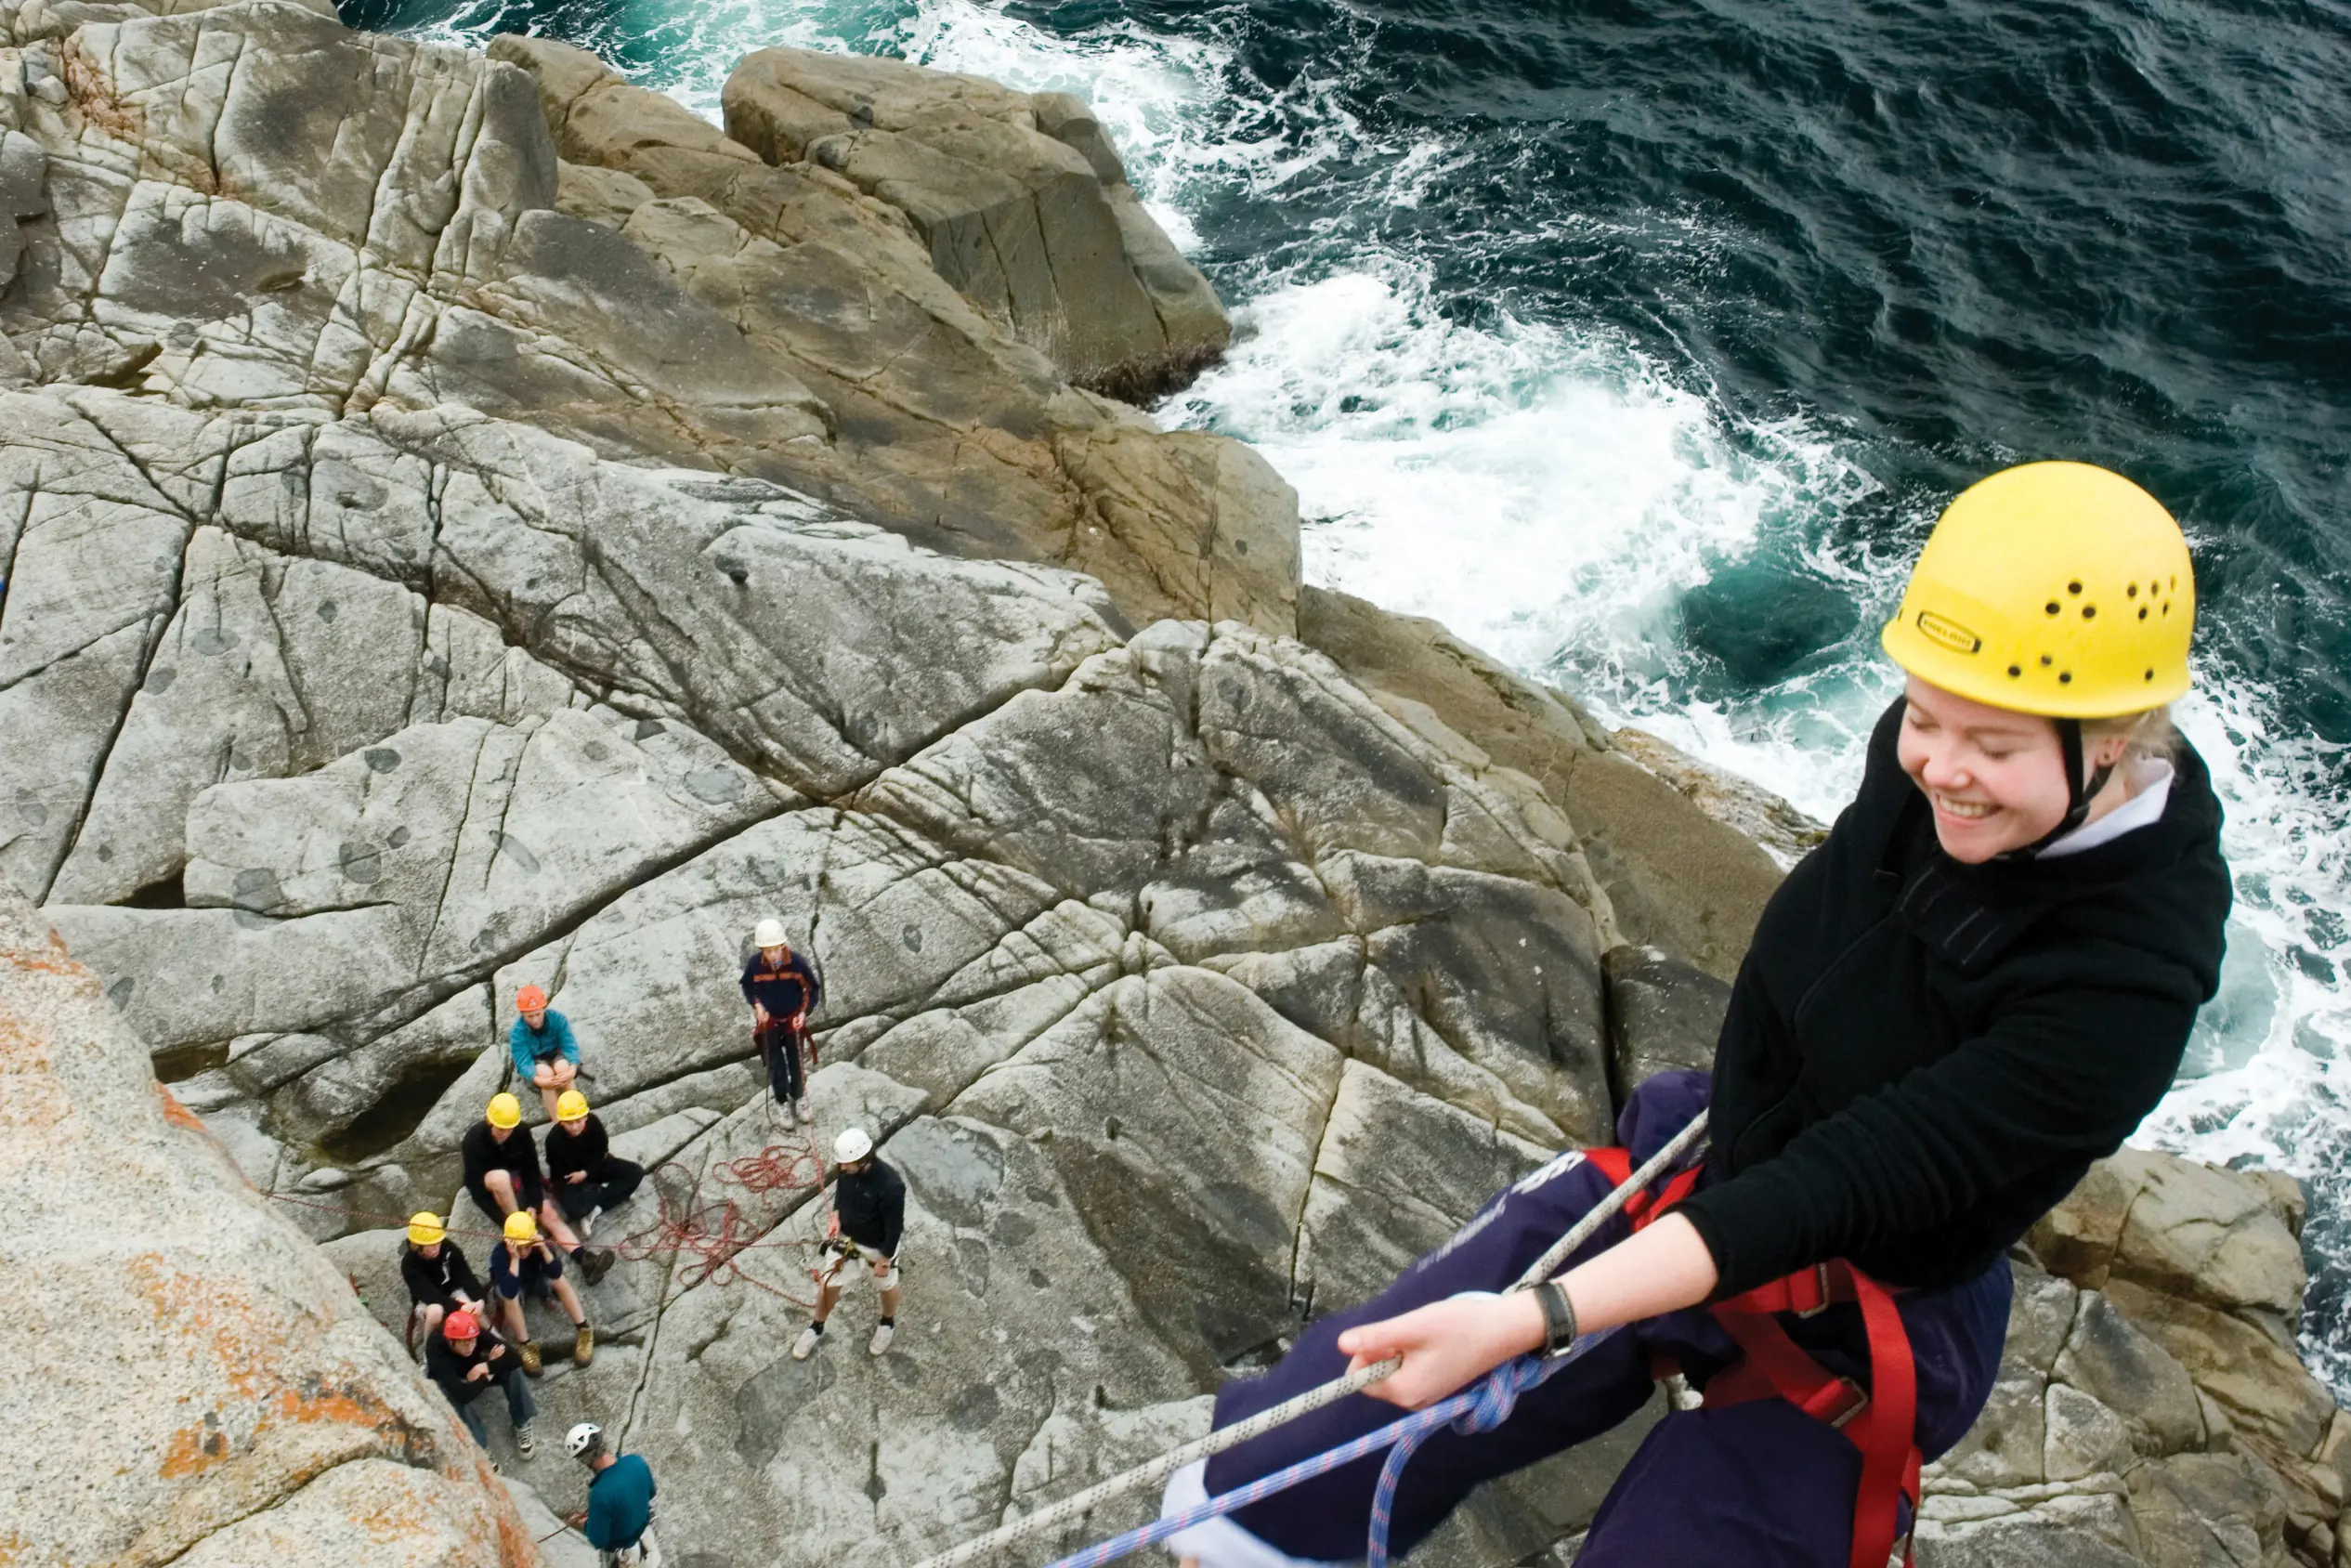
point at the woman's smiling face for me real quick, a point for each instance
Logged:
(1996, 779)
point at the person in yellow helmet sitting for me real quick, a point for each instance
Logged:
(1981, 983)
(584, 1174)
(438, 1278)
(524, 1265)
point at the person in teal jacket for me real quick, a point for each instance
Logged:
(547, 1053)
(620, 1512)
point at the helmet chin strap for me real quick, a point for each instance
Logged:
(2079, 789)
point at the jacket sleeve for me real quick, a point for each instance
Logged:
(749, 994)
(2063, 1075)
(893, 1214)
(599, 1526)
(461, 1272)
(412, 1275)
(814, 981)
(439, 1368)
(518, 1047)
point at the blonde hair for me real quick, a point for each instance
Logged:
(2148, 736)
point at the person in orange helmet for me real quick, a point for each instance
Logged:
(546, 1052)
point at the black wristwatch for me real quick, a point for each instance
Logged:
(1558, 1318)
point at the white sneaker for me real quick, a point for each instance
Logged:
(526, 1441)
(588, 1225)
(805, 1346)
(882, 1334)
(800, 1109)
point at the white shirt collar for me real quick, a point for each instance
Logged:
(2143, 809)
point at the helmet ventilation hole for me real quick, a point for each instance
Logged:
(2132, 589)
(2142, 612)
(2167, 609)
(2074, 587)
(2015, 670)
(2089, 612)
(2065, 677)
(2151, 675)
(2047, 661)
(2053, 607)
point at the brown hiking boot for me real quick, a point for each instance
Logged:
(529, 1351)
(598, 1263)
(583, 1346)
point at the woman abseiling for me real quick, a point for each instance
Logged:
(1977, 986)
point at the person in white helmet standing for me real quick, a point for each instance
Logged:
(619, 1519)
(868, 1217)
(783, 990)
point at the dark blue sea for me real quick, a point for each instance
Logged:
(1640, 343)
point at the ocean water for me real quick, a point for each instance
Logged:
(1642, 342)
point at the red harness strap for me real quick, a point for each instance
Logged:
(1881, 1420)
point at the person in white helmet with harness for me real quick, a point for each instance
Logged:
(783, 990)
(618, 1521)
(868, 1218)
(1979, 984)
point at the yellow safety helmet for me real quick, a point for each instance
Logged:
(2053, 588)
(520, 1226)
(425, 1229)
(570, 1105)
(504, 1111)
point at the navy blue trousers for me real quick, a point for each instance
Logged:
(1759, 1483)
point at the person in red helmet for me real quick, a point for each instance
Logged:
(546, 1052)
(466, 1360)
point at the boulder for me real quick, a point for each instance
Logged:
(1755, 814)
(2208, 1235)
(1023, 203)
(944, 426)
(1674, 876)
(1663, 1016)
(268, 1416)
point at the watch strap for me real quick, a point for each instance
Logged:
(1559, 1317)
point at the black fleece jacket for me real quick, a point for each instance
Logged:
(588, 1152)
(1922, 1057)
(435, 1282)
(871, 1204)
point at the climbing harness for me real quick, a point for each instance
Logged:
(1491, 1402)
(1881, 1420)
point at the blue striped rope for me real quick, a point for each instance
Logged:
(1479, 1408)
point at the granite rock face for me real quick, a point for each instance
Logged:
(190, 1381)
(248, 208)
(1137, 947)
(1021, 199)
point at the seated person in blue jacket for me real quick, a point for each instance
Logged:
(546, 1052)
(619, 1518)
(522, 1265)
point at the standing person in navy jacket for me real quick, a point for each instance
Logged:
(783, 990)
(1979, 984)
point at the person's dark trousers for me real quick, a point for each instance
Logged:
(787, 1074)
(518, 1405)
(608, 1191)
(1760, 1484)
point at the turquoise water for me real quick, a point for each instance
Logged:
(1642, 342)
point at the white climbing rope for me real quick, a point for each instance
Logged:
(1151, 1471)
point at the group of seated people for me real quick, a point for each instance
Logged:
(476, 1336)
